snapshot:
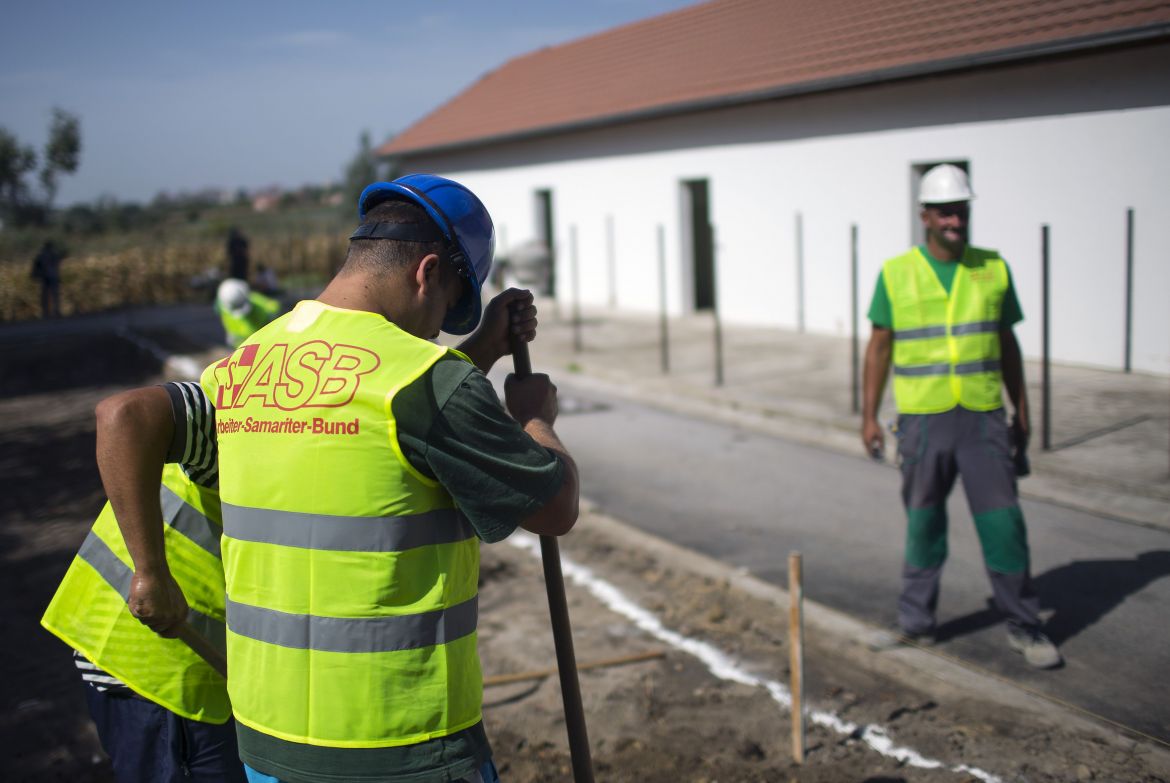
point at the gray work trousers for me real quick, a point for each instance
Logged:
(934, 449)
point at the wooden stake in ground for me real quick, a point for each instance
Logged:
(558, 609)
(796, 652)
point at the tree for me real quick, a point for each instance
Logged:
(361, 171)
(16, 161)
(62, 151)
(62, 156)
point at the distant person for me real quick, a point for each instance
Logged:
(242, 311)
(237, 253)
(46, 267)
(266, 281)
(944, 312)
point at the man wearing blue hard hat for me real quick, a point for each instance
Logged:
(360, 466)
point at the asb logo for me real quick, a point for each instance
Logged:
(316, 374)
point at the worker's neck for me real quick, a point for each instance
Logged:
(362, 292)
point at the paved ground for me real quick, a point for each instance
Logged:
(1110, 431)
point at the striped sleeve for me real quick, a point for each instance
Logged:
(96, 677)
(193, 445)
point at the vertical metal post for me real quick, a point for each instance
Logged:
(1045, 363)
(715, 309)
(796, 652)
(662, 331)
(855, 366)
(1129, 289)
(799, 273)
(576, 288)
(611, 260)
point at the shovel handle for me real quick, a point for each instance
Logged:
(203, 648)
(558, 608)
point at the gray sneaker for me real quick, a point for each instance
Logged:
(883, 640)
(1037, 649)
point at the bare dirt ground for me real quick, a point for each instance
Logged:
(668, 718)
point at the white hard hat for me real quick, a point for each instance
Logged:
(945, 184)
(233, 296)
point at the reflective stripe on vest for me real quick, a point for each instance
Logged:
(185, 519)
(118, 576)
(354, 634)
(946, 346)
(346, 534)
(352, 579)
(89, 612)
(990, 365)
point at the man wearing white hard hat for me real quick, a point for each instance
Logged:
(943, 314)
(242, 310)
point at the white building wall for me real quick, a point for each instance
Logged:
(1077, 172)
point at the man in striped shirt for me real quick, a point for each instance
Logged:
(164, 715)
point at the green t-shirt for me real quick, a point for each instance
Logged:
(881, 315)
(452, 428)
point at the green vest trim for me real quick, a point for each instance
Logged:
(946, 346)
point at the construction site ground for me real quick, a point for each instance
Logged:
(709, 705)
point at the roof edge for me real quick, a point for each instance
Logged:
(1113, 38)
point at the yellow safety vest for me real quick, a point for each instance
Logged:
(237, 328)
(351, 578)
(89, 612)
(946, 347)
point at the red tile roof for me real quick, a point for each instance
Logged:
(731, 51)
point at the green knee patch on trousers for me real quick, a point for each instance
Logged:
(926, 536)
(1004, 540)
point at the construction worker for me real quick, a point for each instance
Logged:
(360, 466)
(162, 712)
(242, 310)
(944, 312)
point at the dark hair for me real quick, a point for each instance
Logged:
(381, 255)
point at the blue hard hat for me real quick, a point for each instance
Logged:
(462, 218)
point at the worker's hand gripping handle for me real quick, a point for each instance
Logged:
(558, 608)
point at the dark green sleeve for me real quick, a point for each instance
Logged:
(452, 427)
(1010, 314)
(879, 307)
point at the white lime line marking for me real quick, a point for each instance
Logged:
(726, 668)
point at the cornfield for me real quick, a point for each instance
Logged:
(162, 274)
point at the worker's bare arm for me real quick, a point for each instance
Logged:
(1012, 362)
(877, 367)
(134, 431)
(510, 313)
(559, 514)
(532, 401)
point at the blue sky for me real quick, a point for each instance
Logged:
(181, 96)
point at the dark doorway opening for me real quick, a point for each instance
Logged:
(698, 213)
(544, 232)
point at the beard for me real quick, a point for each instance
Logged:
(954, 241)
